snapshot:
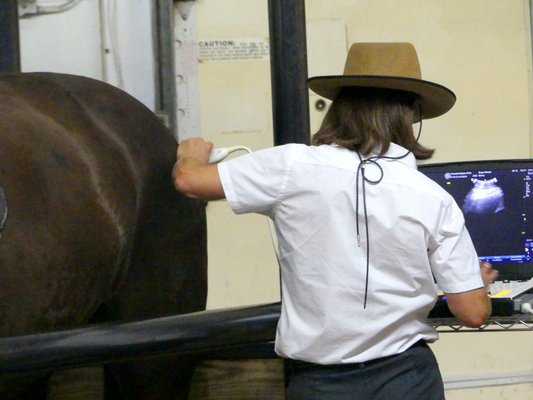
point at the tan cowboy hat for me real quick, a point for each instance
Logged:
(386, 66)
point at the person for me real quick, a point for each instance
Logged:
(362, 235)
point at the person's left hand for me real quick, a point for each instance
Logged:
(488, 274)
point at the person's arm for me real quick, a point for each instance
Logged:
(192, 175)
(472, 308)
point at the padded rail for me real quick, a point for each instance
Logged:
(246, 332)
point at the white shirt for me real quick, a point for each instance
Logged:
(416, 233)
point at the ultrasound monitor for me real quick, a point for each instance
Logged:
(497, 203)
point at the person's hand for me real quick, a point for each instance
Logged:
(488, 274)
(194, 148)
(192, 175)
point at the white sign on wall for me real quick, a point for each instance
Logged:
(233, 49)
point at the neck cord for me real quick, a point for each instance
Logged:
(364, 179)
(361, 172)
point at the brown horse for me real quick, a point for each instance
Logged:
(91, 227)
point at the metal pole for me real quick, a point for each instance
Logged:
(531, 77)
(288, 65)
(166, 103)
(9, 36)
(531, 23)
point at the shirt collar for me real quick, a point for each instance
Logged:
(396, 150)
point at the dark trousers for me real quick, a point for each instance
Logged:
(411, 375)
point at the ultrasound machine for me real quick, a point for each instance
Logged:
(497, 201)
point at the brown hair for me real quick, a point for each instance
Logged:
(369, 119)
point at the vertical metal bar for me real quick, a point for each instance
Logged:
(531, 23)
(165, 63)
(531, 77)
(9, 36)
(288, 65)
(186, 72)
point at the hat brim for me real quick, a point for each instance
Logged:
(435, 99)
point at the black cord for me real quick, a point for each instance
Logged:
(361, 172)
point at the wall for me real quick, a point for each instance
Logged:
(479, 49)
(109, 40)
(235, 104)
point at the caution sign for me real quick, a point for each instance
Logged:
(233, 49)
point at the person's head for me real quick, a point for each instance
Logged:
(378, 98)
(369, 119)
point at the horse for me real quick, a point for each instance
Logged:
(91, 227)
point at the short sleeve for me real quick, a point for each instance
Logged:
(454, 260)
(255, 182)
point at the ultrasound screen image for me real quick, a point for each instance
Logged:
(497, 205)
(485, 197)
